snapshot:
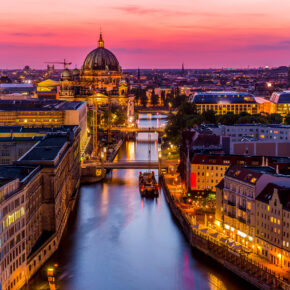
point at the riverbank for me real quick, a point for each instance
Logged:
(206, 241)
(89, 174)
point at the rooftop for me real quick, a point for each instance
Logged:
(46, 150)
(280, 97)
(45, 130)
(223, 98)
(283, 194)
(38, 105)
(248, 174)
(9, 173)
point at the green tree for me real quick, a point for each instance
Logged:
(154, 98)
(163, 97)
(144, 99)
(227, 119)
(186, 117)
(287, 119)
(275, 119)
(209, 117)
(178, 100)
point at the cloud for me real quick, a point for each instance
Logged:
(132, 9)
(31, 34)
(281, 45)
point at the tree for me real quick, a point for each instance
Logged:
(227, 119)
(144, 99)
(154, 98)
(178, 100)
(275, 119)
(209, 117)
(287, 119)
(185, 118)
(163, 97)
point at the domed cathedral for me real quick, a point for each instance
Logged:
(100, 76)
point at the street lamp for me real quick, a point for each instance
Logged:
(51, 278)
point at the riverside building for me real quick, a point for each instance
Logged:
(38, 193)
(273, 224)
(241, 187)
(44, 113)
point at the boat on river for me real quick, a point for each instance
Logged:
(148, 185)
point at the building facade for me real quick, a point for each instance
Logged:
(39, 191)
(239, 215)
(225, 102)
(272, 224)
(48, 113)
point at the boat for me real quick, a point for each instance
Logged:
(148, 185)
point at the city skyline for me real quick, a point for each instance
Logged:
(154, 34)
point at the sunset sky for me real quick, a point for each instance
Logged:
(152, 33)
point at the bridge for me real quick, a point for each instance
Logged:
(129, 164)
(137, 130)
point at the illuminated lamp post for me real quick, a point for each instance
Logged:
(159, 160)
(51, 278)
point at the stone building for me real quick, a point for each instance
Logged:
(39, 192)
(241, 187)
(272, 224)
(99, 82)
(44, 113)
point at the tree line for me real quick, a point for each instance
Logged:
(187, 117)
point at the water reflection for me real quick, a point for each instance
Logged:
(120, 241)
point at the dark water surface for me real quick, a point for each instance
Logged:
(117, 240)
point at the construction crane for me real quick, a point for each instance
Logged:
(64, 63)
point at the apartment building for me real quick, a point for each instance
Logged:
(39, 192)
(261, 132)
(17, 183)
(44, 113)
(241, 187)
(272, 224)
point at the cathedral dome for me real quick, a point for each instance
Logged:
(76, 72)
(66, 75)
(101, 59)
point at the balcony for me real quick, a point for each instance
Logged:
(242, 220)
(241, 207)
(232, 203)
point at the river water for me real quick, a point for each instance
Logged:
(117, 240)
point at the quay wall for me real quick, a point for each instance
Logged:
(240, 265)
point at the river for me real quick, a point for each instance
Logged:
(117, 240)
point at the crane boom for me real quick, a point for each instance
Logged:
(64, 63)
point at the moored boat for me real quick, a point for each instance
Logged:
(148, 185)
